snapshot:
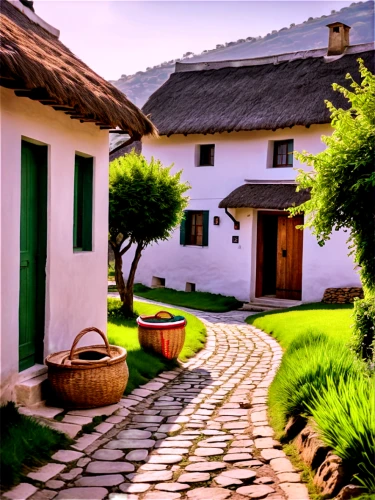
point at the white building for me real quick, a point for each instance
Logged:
(55, 117)
(231, 127)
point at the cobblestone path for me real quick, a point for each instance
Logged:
(199, 432)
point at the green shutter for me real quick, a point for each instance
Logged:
(205, 228)
(183, 229)
(87, 205)
(83, 204)
(290, 152)
(75, 213)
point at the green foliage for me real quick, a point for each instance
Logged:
(342, 182)
(146, 201)
(24, 443)
(306, 370)
(202, 301)
(344, 411)
(363, 339)
(142, 365)
(320, 376)
(115, 310)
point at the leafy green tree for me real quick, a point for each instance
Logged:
(146, 203)
(342, 182)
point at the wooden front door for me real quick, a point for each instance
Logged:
(289, 258)
(279, 256)
(33, 252)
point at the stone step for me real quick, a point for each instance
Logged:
(255, 308)
(31, 391)
(275, 303)
(269, 304)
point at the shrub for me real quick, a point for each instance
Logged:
(344, 413)
(363, 339)
(115, 309)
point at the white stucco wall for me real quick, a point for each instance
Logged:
(75, 282)
(224, 267)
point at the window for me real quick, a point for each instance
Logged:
(83, 194)
(190, 287)
(157, 282)
(194, 228)
(336, 29)
(206, 155)
(283, 154)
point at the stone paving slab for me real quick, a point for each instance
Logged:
(198, 432)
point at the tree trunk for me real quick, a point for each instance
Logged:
(127, 302)
(120, 283)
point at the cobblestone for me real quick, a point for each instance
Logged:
(196, 432)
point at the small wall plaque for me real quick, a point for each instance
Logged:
(216, 221)
(235, 239)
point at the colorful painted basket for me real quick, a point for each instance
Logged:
(162, 333)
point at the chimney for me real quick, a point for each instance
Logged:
(338, 38)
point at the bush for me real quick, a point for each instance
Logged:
(344, 413)
(115, 309)
(363, 340)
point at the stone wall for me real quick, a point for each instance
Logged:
(342, 295)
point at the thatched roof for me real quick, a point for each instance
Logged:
(264, 93)
(37, 65)
(271, 196)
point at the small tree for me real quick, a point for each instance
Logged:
(342, 185)
(146, 203)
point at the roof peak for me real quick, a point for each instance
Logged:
(28, 11)
(275, 59)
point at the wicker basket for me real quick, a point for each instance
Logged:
(166, 340)
(90, 376)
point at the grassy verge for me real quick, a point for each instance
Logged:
(144, 366)
(24, 444)
(286, 325)
(320, 377)
(203, 301)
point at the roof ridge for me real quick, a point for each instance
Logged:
(274, 59)
(26, 11)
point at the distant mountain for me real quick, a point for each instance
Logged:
(311, 34)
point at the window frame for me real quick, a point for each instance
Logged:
(186, 228)
(83, 204)
(289, 153)
(210, 155)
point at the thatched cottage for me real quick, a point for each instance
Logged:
(55, 117)
(232, 127)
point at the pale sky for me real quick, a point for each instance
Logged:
(121, 37)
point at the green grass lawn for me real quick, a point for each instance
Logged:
(287, 324)
(24, 444)
(144, 366)
(203, 301)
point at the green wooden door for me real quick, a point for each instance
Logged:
(33, 246)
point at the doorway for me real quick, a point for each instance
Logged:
(279, 256)
(33, 253)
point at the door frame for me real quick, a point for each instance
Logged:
(259, 248)
(42, 176)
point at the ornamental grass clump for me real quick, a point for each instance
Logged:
(344, 412)
(308, 363)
